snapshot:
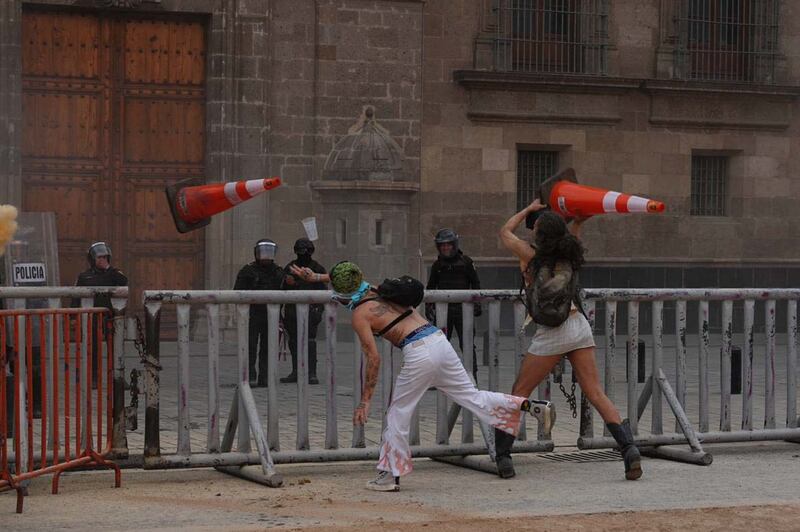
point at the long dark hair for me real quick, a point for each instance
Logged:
(553, 242)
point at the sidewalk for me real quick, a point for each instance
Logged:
(750, 487)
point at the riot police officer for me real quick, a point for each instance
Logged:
(304, 249)
(453, 270)
(100, 273)
(261, 274)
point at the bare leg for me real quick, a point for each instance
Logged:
(583, 363)
(533, 370)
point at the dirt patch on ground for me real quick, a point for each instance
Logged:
(742, 518)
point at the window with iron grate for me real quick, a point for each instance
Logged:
(552, 36)
(533, 167)
(709, 185)
(726, 40)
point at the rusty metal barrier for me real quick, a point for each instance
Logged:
(62, 367)
(658, 384)
(244, 413)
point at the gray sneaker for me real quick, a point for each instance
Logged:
(384, 482)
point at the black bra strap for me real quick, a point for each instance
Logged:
(395, 321)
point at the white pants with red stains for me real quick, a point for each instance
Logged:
(431, 361)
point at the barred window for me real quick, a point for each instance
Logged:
(552, 36)
(709, 185)
(726, 40)
(533, 167)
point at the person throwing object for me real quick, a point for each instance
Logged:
(429, 360)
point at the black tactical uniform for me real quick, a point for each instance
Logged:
(94, 276)
(454, 272)
(304, 248)
(259, 275)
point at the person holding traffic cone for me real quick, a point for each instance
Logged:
(193, 204)
(549, 269)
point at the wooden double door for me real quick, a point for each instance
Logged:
(113, 111)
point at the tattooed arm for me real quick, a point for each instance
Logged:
(364, 330)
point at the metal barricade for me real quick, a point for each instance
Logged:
(244, 414)
(657, 385)
(503, 327)
(62, 366)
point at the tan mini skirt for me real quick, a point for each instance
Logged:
(575, 333)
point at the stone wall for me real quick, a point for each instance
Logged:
(628, 131)
(287, 79)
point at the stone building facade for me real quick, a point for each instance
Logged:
(457, 86)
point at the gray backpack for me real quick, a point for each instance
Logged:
(550, 295)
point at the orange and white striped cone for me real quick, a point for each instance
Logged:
(564, 195)
(193, 203)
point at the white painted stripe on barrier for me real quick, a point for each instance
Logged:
(231, 195)
(610, 201)
(637, 204)
(254, 186)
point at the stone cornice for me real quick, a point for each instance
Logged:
(523, 81)
(367, 186)
(716, 88)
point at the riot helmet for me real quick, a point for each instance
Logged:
(98, 249)
(447, 236)
(265, 249)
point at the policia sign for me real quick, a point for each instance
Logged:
(29, 273)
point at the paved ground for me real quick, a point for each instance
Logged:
(747, 488)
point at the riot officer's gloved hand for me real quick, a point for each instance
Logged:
(430, 312)
(477, 310)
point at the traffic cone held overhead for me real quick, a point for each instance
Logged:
(193, 203)
(564, 195)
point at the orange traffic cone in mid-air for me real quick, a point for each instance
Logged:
(193, 204)
(564, 195)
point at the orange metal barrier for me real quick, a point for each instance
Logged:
(70, 426)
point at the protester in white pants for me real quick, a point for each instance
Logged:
(429, 360)
(432, 361)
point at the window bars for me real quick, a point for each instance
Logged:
(551, 36)
(725, 40)
(709, 185)
(533, 167)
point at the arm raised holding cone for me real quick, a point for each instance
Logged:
(520, 248)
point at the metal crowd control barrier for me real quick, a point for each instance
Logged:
(656, 389)
(658, 384)
(53, 355)
(244, 414)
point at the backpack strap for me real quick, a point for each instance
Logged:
(371, 290)
(395, 321)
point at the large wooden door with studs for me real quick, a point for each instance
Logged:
(113, 111)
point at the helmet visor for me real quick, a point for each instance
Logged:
(266, 251)
(99, 249)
